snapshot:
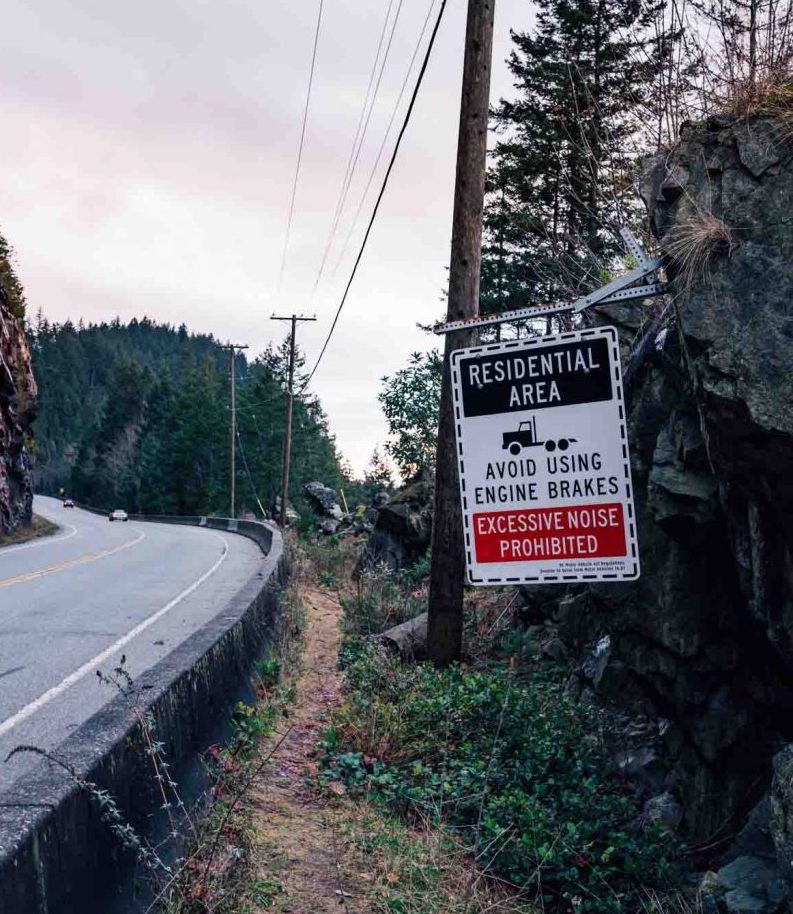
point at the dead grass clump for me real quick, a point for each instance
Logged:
(692, 243)
(769, 95)
(420, 869)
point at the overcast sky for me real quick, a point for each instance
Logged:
(147, 159)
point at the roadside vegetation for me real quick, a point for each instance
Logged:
(215, 875)
(493, 753)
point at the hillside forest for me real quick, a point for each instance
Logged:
(138, 415)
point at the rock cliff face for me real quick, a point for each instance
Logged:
(703, 642)
(17, 410)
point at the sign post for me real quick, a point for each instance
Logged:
(543, 458)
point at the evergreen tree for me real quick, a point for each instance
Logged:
(410, 399)
(137, 415)
(560, 182)
(9, 282)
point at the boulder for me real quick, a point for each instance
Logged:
(291, 514)
(380, 498)
(403, 528)
(752, 885)
(755, 839)
(781, 809)
(323, 500)
(644, 767)
(663, 810)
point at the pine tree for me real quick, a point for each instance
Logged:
(560, 182)
(137, 416)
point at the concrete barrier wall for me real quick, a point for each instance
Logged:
(56, 854)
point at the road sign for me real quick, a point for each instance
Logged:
(543, 455)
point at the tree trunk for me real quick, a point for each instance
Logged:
(409, 639)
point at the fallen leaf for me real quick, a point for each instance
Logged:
(392, 878)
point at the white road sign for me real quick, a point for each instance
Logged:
(543, 454)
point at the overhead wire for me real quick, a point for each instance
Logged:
(250, 476)
(383, 142)
(360, 135)
(351, 156)
(300, 146)
(383, 187)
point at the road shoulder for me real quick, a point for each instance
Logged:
(39, 528)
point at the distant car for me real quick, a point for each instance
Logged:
(118, 514)
(68, 503)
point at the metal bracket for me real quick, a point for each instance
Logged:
(617, 290)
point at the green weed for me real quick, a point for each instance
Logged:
(249, 725)
(269, 671)
(263, 892)
(511, 763)
(381, 600)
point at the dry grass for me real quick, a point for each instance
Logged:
(418, 869)
(770, 95)
(692, 242)
(673, 903)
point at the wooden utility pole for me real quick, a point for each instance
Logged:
(233, 348)
(445, 624)
(294, 318)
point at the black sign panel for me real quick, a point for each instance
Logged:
(563, 375)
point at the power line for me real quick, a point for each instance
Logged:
(339, 202)
(250, 477)
(293, 319)
(360, 134)
(380, 195)
(300, 147)
(385, 138)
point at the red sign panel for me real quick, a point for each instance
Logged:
(532, 534)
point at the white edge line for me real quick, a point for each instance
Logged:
(78, 674)
(44, 541)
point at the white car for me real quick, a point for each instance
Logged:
(118, 514)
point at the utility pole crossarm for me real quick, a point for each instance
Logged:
(294, 319)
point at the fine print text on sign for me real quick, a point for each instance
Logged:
(543, 456)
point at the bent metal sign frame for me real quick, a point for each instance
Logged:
(543, 456)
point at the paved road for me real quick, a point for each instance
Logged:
(76, 602)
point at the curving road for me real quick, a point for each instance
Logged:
(74, 603)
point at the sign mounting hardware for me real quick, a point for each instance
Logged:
(639, 282)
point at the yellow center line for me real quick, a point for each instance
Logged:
(72, 563)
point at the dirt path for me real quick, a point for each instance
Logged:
(299, 851)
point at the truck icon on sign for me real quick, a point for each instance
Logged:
(526, 436)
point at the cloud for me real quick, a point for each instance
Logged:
(147, 161)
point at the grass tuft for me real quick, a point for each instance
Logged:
(693, 241)
(770, 95)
